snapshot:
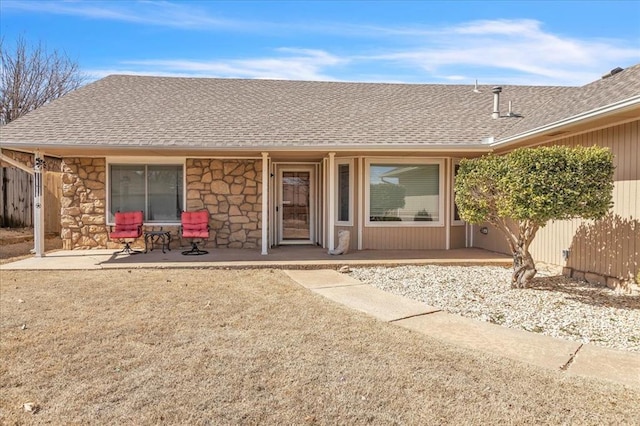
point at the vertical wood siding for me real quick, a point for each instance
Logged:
(52, 204)
(494, 240)
(609, 246)
(16, 199)
(457, 236)
(414, 238)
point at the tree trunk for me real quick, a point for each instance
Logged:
(524, 268)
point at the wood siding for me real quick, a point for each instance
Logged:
(457, 236)
(412, 238)
(609, 246)
(52, 203)
(493, 240)
(16, 200)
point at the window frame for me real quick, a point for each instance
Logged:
(454, 222)
(413, 224)
(338, 162)
(147, 161)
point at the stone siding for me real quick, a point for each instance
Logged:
(83, 204)
(229, 189)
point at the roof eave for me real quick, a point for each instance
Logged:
(452, 147)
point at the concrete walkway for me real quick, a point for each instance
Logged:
(537, 349)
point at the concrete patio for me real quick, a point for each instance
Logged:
(283, 257)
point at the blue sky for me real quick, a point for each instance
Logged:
(457, 42)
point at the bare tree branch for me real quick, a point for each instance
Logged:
(31, 77)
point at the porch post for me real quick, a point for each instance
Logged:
(265, 202)
(331, 202)
(360, 204)
(38, 204)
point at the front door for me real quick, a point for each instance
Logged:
(296, 205)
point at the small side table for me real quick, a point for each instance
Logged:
(153, 237)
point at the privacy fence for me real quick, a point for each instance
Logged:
(16, 202)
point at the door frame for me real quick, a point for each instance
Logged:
(281, 168)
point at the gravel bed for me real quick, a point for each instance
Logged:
(555, 306)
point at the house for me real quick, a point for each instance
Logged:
(294, 162)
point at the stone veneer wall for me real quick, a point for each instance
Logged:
(229, 189)
(83, 204)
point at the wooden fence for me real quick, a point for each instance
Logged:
(16, 201)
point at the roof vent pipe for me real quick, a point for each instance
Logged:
(496, 102)
(475, 88)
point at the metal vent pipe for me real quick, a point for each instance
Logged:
(496, 102)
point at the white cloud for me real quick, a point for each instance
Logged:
(294, 64)
(455, 77)
(500, 51)
(519, 48)
(160, 13)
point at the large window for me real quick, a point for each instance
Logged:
(155, 189)
(402, 193)
(344, 193)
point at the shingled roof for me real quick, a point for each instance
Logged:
(234, 114)
(619, 87)
(123, 110)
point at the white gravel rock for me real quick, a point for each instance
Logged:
(555, 305)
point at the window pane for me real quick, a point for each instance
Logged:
(404, 192)
(165, 193)
(127, 188)
(343, 192)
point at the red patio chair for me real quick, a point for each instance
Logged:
(195, 226)
(127, 228)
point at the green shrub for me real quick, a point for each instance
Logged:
(529, 187)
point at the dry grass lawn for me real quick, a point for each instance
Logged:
(251, 347)
(16, 243)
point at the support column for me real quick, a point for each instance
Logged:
(38, 204)
(360, 209)
(265, 202)
(331, 205)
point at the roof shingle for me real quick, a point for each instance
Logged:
(598, 94)
(123, 110)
